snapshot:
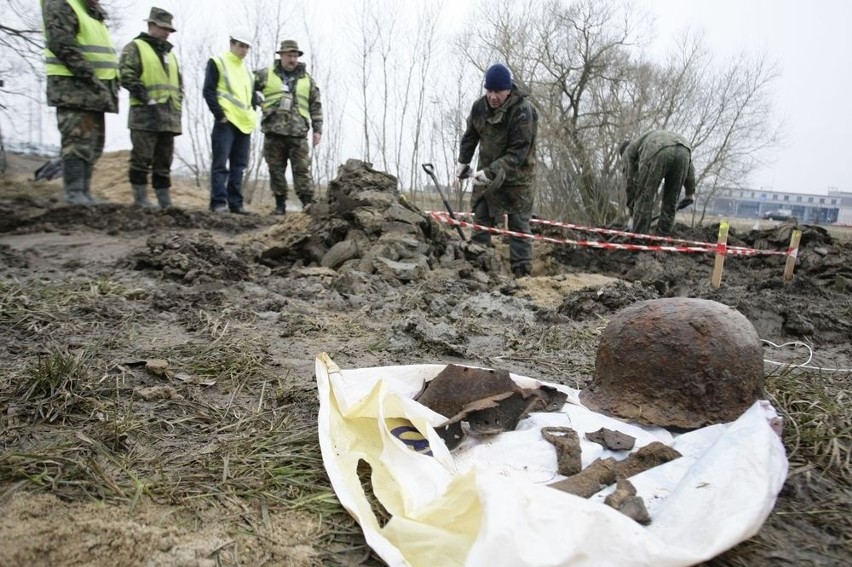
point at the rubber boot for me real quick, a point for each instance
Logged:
(163, 197)
(73, 172)
(87, 185)
(280, 205)
(140, 197)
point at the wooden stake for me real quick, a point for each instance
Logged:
(722, 244)
(792, 254)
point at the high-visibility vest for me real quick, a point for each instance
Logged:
(162, 84)
(94, 42)
(274, 91)
(234, 91)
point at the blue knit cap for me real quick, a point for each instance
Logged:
(498, 78)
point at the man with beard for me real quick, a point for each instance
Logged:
(291, 108)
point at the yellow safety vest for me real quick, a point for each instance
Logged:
(162, 84)
(234, 92)
(94, 42)
(273, 92)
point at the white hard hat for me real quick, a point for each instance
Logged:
(242, 35)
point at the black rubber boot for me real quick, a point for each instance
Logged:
(73, 174)
(280, 205)
(87, 185)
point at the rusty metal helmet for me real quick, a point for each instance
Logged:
(677, 362)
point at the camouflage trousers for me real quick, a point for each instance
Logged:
(520, 249)
(277, 150)
(669, 166)
(83, 133)
(152, 151)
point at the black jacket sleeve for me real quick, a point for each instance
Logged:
(211, 80)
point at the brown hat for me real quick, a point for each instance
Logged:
(160, 17)
(289, 45)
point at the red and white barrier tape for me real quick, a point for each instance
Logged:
(687, 246)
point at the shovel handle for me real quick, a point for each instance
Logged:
(430, 170)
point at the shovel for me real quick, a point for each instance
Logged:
(430, 170)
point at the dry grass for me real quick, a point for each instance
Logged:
(818, 421)
(224, 426)
(815, 502)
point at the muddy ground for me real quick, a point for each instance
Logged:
(157, 395)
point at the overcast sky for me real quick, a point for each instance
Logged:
(811, 42)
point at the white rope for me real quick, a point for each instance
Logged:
(806, 364)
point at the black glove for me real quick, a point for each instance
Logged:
(685, 202)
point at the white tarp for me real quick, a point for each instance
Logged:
(488, 504)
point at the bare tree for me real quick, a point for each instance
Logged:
(592, 87)
(365, 44)
(21, 68)
(449, 112)
(327, 154)
(197, 120)
(418, 81)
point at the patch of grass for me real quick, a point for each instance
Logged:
(36, 308)
(230, 359)
(65, 467)
(818, 420)
(54, 383)
(257, 441)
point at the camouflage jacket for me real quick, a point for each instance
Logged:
(83, 91)
(290, 123)
(643, 150)
(506, 138)
(151, 118)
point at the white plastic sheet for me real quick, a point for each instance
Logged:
(488, 503)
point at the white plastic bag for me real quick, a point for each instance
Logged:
(488, 503)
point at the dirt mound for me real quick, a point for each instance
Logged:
(752, 284)
(109, 182)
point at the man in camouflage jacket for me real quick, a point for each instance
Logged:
(291, 108)
(653, 157)
(503, 123)
(82, 83)
(150, 73)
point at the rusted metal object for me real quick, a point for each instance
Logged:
(603, 472)
(625, 500)
(488, 400)
(568, 451)
(677, 362)
(458, 390)
(611, 439)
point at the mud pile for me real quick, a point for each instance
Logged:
(815, 304)
(367, 226)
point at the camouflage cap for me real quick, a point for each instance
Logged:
(161, 18)
(290, 45)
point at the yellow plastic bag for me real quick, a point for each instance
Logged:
(488, 503)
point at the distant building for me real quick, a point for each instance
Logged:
(833, 207)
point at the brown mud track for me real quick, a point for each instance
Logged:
(109, 459)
